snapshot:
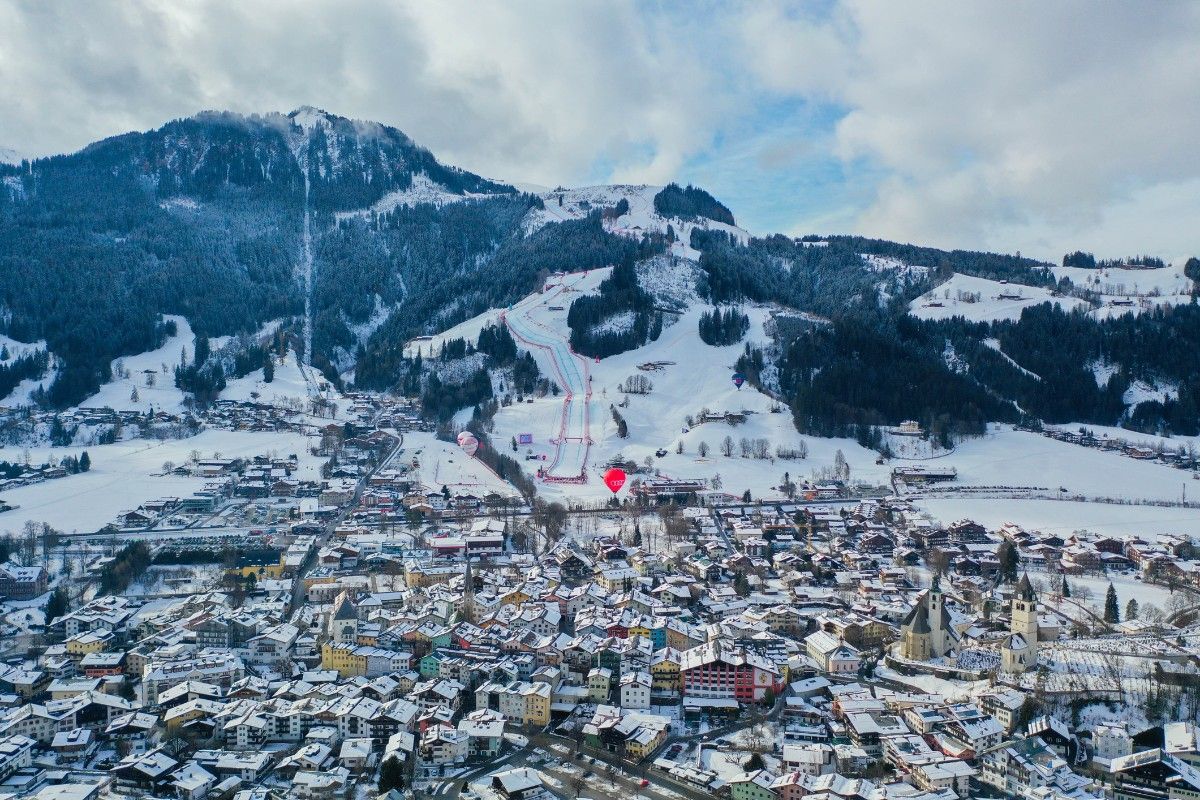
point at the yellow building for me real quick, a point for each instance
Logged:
(86, 642)
(515, 598)
(198, 708)
(260, 571)
(664, 671)
(537, 704)
(346, 659)
(418, 576)
(645, 740)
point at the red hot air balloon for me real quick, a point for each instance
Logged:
(468, 443)
(614, 479)
(738, 380)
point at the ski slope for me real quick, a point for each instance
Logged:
(537, 327)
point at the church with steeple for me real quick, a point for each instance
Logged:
(926, 631)
(343, 621)
(1020, 649)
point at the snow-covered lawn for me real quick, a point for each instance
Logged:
(289, 389)
(1067, 517)
(1147, 288)
(1005, 457)
(128, 473)
(951, 690)
(640, 219)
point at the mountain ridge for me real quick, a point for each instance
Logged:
(205, 217)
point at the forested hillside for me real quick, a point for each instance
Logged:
(205, 218)
(875, 365)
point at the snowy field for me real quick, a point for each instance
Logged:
(979, 300)
(468, 331)
(1052, 516)
(1006, 457)
(17, 349)
(1148, 287)
(641, 217)
(289, 388)
(151, 374)
(20, 395)
(128, 473)
(445, 464)
(693, 376)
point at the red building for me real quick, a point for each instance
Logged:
(720, 670)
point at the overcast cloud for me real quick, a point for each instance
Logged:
(1038, 127)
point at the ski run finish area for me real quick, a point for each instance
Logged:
(572, 441)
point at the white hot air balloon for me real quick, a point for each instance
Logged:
(468, 443)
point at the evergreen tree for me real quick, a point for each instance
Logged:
(85, 461)
(1131, 609)
(1009, 560)
(57, 606)
(391, 775)
(268, 368)
(1066, 587)
(1112, 611)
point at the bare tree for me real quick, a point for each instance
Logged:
(727, 446)
(702, 449)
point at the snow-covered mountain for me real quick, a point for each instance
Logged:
(352, 240)
(9, 155)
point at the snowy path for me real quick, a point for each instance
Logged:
(572, 439)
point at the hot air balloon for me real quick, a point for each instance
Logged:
(468, 443)
(738, 380)
(614, 479)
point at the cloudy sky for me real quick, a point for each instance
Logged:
(1034, 127)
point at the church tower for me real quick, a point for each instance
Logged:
(343, 621)
(938, 618)
(1020, 651)
(468, 599)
